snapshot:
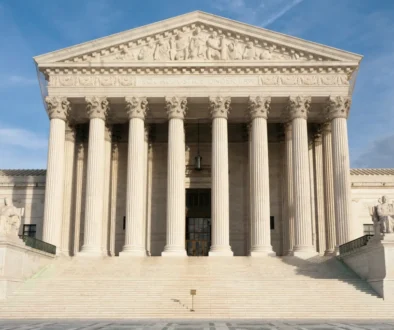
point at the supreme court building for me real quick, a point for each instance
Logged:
(198, 135)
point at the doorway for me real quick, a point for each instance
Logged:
(198, 222)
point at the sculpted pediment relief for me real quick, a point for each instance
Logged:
(196, 37)
(196, 42)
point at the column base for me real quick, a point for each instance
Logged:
(174, 252)
(90, 252)
(262, 253)
(329, 253)
(132, 252)
(222, 251)
(289, 253)
(304, 252)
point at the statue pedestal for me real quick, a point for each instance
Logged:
(18, 262)
(381, 265)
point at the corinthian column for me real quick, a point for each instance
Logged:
(338, 109)
(134, 240)
(220, 107)
(58, 109)
(298, 110)
(176, 208)
(289, 198)
(319, 189)
(97, 108)
(328, 190)
(260, 197)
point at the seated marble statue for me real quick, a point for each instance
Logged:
(10, 218)
(383, 215)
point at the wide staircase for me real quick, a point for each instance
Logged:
(157, 287)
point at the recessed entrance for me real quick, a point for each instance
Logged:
(198, 221)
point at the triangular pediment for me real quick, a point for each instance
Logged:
(197, 36)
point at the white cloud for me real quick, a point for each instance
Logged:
(17, 80)
(258, 12)
(21, 138)
(378, 155)
(21, 148)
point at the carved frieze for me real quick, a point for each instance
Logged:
(197, 42)
(129, 80)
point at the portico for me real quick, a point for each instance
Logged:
(271, 116)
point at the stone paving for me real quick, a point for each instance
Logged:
(195, 325)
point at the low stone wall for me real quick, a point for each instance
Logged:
(17, 263)
(375, 264)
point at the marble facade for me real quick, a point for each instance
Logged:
(272, 111)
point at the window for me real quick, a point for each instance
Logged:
(368, 229)
(29, 230)
(272, 222)
(124, 222)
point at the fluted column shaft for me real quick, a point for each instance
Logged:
(220, 180)
(69, 178)
(260, 197)
(134, 237)
(319, 186)
(289, 202)
(57, 108)
(328, 190)
(97, 108)
(176, 208)
(303, 246)
(338, 108)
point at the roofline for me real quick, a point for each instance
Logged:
(195, 15)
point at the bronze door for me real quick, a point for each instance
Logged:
(198, 222)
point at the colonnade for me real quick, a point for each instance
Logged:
(299, 221)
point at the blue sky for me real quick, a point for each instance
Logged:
(33, 27)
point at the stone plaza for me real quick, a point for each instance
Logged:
(204, 137)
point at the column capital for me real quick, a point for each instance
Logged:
(97, 107)
(325, 127)
(338, 106)
(220, 106)
(298, 106)
(58, 107)
(259, 106)
(136, 107)
(176, 107)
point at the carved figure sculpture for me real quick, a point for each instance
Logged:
(146, 52)
(383, 216)
(197, 45)
(10, 218)
(249, 52)
(266, 54)
(162, 51)
(233, 50)
(179, 47)
(215, 47)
